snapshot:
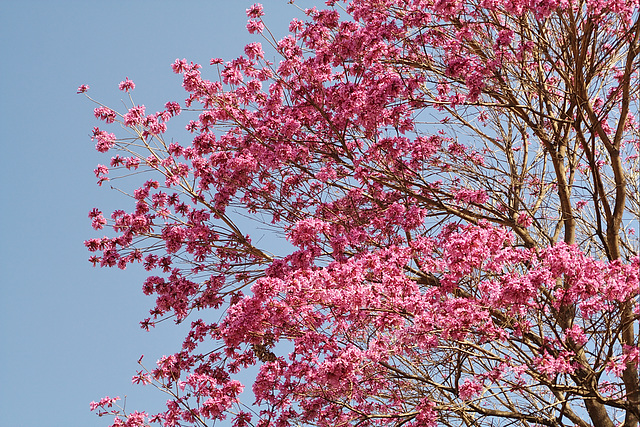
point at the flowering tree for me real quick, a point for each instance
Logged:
(458, 181)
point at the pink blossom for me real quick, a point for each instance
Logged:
(126, 85)
(104, 113)
(504, 37)
(136, 419)
(403, 150)
(295, 26)
(255, 26)
(471, 196)
(104, 140)
(576, 333)
(97, 220)
(134, 116)
(141, 378)
(615, 366)
(100, 170)
(550, 365)
(83, 88)
(469, 389)
(524, 220)
(105, 402)
(631, 355)
(255, 11)
(305, 232)
(173, 108)
(179, 66)
(254, 50)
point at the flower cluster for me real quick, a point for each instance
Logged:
(420, 272)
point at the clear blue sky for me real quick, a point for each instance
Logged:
(68, 332)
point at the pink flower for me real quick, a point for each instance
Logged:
(615, 366)
(469, 389)
(255, 26)
(242, 419)
(98, 221)
(127, 85)
(254, 50)
(83, 88)
(524, 220)
(255, 11)
(577, 335)
(504, 37)
(471, 196)
(397, 250)
(305, 232)
(104, 140)
(173, 108)
(631, 354)
(134, 116)
(550, 365)
(179, 66)
(105, 113)
(296, 26)
(100, 170)
(141, 377)
(136, 419)
(105, 402)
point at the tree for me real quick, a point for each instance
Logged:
(459, 181)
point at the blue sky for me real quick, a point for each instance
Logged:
(69, 332)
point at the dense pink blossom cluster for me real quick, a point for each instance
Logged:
(428, 279)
